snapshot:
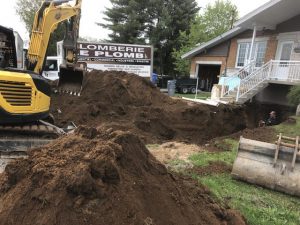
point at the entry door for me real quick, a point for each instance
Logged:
(281, 70)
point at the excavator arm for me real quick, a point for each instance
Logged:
(72, 73)
(50, 14)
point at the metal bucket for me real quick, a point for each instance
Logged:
(257, 163)
(71, 79)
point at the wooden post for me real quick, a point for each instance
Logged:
(295, 153)
(277, 150)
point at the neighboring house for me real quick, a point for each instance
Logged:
(262, 49)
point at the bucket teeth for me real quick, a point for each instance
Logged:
(69, 92)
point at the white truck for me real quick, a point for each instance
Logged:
(51, 68)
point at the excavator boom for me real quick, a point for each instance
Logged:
(50, 14)
(72, 73)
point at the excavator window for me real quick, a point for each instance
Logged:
(51, 65)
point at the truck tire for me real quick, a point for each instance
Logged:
(193, 90)
(184, 90)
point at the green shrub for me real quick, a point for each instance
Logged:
(294, 95)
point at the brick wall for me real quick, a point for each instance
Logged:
(271, 48)
(270, 52)
(232, 53)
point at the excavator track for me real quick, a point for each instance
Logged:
(15, 140)
(36, 129)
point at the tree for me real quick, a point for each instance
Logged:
(156, 22)
(294, 95)
(126, 19)
(216, 19)
(26, 9)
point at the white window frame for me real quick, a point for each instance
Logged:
(248, 41)
(237, 54)
(279, 48)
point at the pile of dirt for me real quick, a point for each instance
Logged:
(264, 134)
(129, 102)
(99, 176)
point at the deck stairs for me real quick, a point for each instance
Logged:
(250, 80)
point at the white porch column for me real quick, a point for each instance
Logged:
(252, 43)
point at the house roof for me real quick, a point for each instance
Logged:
(223, 37)
(267, 16)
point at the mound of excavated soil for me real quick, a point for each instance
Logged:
(102, 177)
(128, 102)
(265, 134)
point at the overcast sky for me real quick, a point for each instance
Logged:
(92, 13)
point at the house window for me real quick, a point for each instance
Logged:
(258, 53)
(242, 54)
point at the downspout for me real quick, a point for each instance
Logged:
(252, 43)
(229, 44)
(197, 75)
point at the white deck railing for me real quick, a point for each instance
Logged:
(274, 70)
(232, 82)
(255, 79)
(288, 71)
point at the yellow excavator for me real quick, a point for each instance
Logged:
(25, 94)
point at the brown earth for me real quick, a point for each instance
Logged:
(128, 102)
(100, 176)
(216, 167)
(265, 134)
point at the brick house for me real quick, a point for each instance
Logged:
(259, 56)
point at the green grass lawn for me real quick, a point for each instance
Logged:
(259, 206)
(200, 95)
(291, 130)
(203, 158)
